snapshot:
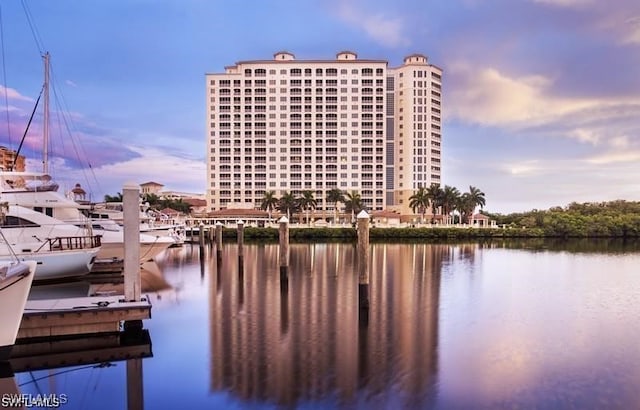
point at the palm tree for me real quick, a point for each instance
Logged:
(353, 203)
(434, 194)
(151, 198)
(449, 199)
(465, 206)
(477, 197)
(335, 195)
(307, 202)
(269, 202)
(288, 204)
(419, 201)
(115, 198)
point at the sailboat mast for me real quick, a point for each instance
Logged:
(45, 139)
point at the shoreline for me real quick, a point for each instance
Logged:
(309, 234)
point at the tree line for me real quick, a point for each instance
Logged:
(449, 200)
(613, 218)
(155, 202)
(289, 204)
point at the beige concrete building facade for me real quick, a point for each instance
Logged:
(288, 125)
(8, 160)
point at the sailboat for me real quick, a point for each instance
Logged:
(37, 191)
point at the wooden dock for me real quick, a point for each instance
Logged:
(107, 266)
(78, 316)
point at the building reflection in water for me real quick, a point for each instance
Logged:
(299, 341)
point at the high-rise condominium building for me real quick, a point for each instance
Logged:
(288, 125)
(9, 161)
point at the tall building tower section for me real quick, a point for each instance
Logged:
(288, 125)
(417, 128)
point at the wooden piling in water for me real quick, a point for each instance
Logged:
(131, 219)
(201, 234)
(362, 251)
(219, 236)
(283, 232)
(211, 235)
(201, 241)
(240, 225)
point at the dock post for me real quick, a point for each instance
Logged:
(362, 251)
(240, 225)
(219, 236)
(201, 235)
(131, 218)
(211, 235)
(283, 232)
(219, 247)
(201, 238)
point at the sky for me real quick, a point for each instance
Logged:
(541, 98)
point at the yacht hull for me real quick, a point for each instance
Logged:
(14, 290)
(59, 264)
(148, 250)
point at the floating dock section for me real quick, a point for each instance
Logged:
(80, 316)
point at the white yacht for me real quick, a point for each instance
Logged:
(15, 283)
(151, 222)
(60, 250)
(38, 192)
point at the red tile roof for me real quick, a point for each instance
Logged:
(195, 201)
(170, 211)
(233, 213)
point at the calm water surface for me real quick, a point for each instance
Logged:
(531, 325)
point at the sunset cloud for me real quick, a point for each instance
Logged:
(380, 26)
(12, 94)
(488, 97)
(616, 157)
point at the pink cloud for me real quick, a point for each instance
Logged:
(12, 94)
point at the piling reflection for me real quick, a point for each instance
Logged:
(300, 337)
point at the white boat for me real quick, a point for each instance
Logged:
(151, 222)
(37, 192)
(60, 250)
(15, 283)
